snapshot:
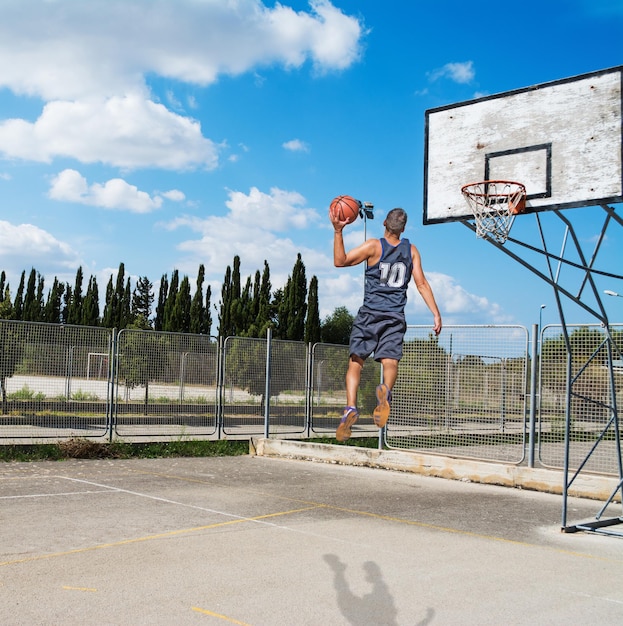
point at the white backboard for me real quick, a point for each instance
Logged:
(563, 140)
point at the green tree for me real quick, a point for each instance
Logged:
(52, 308)
(292, 306)
(18, 304)
(6, 306)
(142, 301)
(179, 321)
(163, 292)
(208, 312)
(33, 306)
(198, 311)
(230, 301)
(134, 368)
(74, 313)
(117, 306)
(91, 305)
(169, 305)
(312, 321)
(336, 327)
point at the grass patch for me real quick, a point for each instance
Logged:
(79, 448)
(356, 442)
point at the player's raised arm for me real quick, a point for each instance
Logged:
(424, 288)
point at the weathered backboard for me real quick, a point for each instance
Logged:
(562, 140)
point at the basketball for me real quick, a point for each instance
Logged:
(346, 208)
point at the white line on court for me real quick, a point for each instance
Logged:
(51, 495)
(176, 502)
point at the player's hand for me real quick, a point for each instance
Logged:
(338, 224)
(437, 324)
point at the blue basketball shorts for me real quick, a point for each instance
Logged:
(379, 333)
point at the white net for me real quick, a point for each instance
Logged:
(494, 204)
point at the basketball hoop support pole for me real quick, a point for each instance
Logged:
(580, 297)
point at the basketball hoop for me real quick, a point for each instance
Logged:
(494, 204)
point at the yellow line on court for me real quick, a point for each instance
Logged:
(397, 520)
(223, 617)
(171, 533)
(68, 588)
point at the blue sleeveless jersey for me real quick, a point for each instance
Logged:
(387, 281)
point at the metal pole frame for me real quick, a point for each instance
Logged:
(597, 310)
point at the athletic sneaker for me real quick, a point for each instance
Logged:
(381, 412)
(348, 419)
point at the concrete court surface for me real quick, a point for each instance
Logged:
(273, 541)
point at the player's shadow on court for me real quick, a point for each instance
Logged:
(376, 607)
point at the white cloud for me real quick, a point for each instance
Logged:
(127, 132)
(23, 246)
(72, 50)
(89, 62)
(175, 195)
(70, 186)
(462, 73)
(258, 226)
(296, 145)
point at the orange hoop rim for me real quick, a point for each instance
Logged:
(516, 195)
(466, 188)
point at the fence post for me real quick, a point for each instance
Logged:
(269, 338)
(112, 376)
(533, 393)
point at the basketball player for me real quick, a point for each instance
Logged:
(380, 324)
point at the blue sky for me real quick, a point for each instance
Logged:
(168, 134)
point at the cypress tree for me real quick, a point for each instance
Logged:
(125, 306)
(224, 317)
(74, 313)
(32, 306)
(197, 309)
(52, 309)
(91, 305)
(312, 321)
(162, 299)
(178, 320)
(208, 312)
(6, 306)
(109, 306)
(117, 307)
(169, 305)
(142, 301)
(293, 306)
(18, 304)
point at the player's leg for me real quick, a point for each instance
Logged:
(350, 415)
(384, 391)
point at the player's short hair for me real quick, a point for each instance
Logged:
(396, 221)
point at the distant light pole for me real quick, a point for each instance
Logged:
(366, 212)
(609, 292)
(541, 315)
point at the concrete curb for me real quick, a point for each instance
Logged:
(589, 486)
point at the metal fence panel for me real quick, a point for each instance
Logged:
(165, 384)
(244, 386)
(328, 389)
(48, 382)
(462, 393)
(590, 405)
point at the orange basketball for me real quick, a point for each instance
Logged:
(346, 208)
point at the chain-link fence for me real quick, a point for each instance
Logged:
(462, 393)
(55, 380)
(465, 393)
(165, 384)
(594, 373)
(328, 373)
(248, 399)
